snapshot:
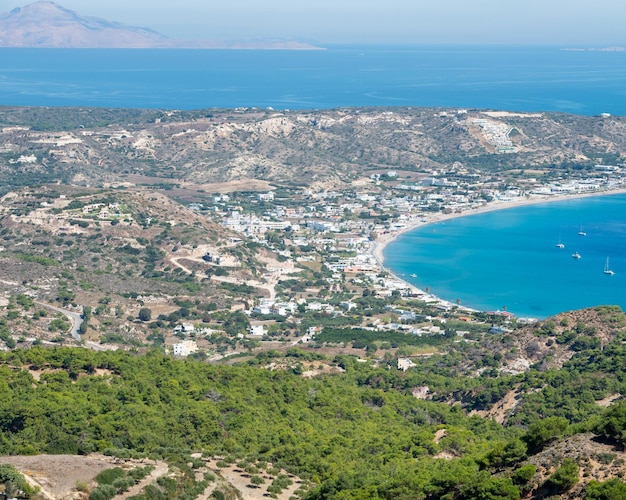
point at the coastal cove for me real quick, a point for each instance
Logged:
(506, 257)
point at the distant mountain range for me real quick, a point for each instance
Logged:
(48, 25)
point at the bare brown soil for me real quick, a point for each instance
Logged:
(502, 409)
(57, 475)
(240, 480)
(597, 461)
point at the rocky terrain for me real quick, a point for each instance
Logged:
(327, 148)
(115, 252)
(70, 476)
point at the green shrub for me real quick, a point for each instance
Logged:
(613, 424)
(613, 489)
(12, 478)
(123, 483)
(139, 473)
(524, 474)
(103, 492)
(109, 475)
(82, 486)
(564, 477)
(544, 431)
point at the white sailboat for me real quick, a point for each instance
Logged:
(606, 268)
(559, 244)
(576, 255)
(581, 232)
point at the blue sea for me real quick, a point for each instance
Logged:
(510, 259)
(509, 78)
(506, 258)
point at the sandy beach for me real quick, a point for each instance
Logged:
(378, 246)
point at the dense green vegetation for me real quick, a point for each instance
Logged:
(14, 483)
(367, 337)
(344, 434)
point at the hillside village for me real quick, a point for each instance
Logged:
(201, 298)
(333, 237)
(209, 203)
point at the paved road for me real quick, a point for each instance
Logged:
(75, 318)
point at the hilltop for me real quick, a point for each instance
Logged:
(113, 252)
(45, 24)
(332, 148)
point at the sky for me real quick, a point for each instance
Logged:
(570, 23)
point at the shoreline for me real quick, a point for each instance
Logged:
(378, 246)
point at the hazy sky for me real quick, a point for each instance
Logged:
(556, 22)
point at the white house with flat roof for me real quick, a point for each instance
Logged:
(257, 330)
(184, 348)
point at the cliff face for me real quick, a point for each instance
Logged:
(46, 24)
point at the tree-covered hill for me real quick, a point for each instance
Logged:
(343, 435)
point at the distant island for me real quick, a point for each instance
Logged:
(46, 24)
(596, 49)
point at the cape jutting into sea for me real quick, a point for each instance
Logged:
(511, 259)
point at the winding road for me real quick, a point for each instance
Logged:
(75, 319)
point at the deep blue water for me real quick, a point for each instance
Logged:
(488, 261)
(511, 78)
(510, 258)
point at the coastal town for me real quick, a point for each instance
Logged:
(324, 257)
(209, 264)
(349, 229)
(387, 266)
(342, 235)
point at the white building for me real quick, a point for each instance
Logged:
(257, 330)
(266, 196)
(284, 308)
(185, 328)
(184, 348)
(404, 364)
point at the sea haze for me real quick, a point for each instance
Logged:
(510, 258)
(510, 78)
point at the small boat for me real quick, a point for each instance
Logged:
(606, 268)
(413, 275)
(559, 244)
(576, 255)
(581, 232)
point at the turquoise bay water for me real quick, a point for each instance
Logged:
(487, 261)
(509, 78)
(510, 258)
